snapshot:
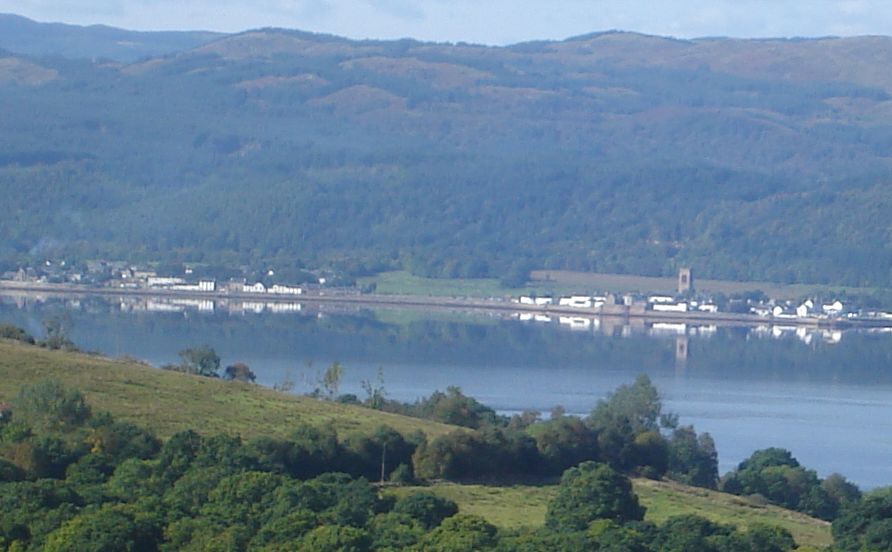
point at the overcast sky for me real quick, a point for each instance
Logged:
(481, 21)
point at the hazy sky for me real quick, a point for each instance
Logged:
(482, 21)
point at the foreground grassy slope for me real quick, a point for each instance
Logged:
(169, 402)
(524, 506)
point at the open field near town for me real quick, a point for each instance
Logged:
(588, 281)
(562, 282)
(404, 283)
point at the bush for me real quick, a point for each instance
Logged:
(8, 331)
(589, 492)
(50, 406)
(427, 508)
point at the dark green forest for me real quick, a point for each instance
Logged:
(612, 152)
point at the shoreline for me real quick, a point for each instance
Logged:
(452, 303)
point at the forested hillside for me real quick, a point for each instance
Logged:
(614, 152)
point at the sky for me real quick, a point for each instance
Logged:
(496, 22)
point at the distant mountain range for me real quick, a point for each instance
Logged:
(21, 35)
(611, 152)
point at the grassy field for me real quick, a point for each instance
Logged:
(524, 506)
(169, 402)
(588, 281)
(560, 282)
(403, 283)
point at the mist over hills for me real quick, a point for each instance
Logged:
(614, 152)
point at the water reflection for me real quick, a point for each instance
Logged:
(823, 394)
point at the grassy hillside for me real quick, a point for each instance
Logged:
(169, 402)
(525, 506)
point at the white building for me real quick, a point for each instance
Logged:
(576, 301)
(760, 310)
(660, 299)
(670, 307)
(537, 301)
(285, 290)
(207, 285)
(159, 281)
(257, 287)
(833, 308)
(708, 307)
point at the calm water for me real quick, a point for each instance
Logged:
(825, 396)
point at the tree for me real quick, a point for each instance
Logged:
(200, 361)
(375, 392)
(50, 406)
(776, 475)
(281, 530)
(453, 456)
(427, 508)
(693, 459)
(841, 489)
(57, 330)
(239, 372)
(866, 524)
(120, 440)
(605, 535)
(691, 532)
(564, 442)
(460, 533)
(15, 333)
(331, 379)
(109, 529)
(456, 408)
(10, 472)
(335, 538)
(394, 531)
(592, 491)
(626, 413)
(244, 498)
(638, 403)
(378, 454)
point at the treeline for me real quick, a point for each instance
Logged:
(628, 431)
(56, 335)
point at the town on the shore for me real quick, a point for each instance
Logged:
(686, 304)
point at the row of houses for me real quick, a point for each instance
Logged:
(276, 289)
(807, 309)
(657, 303)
